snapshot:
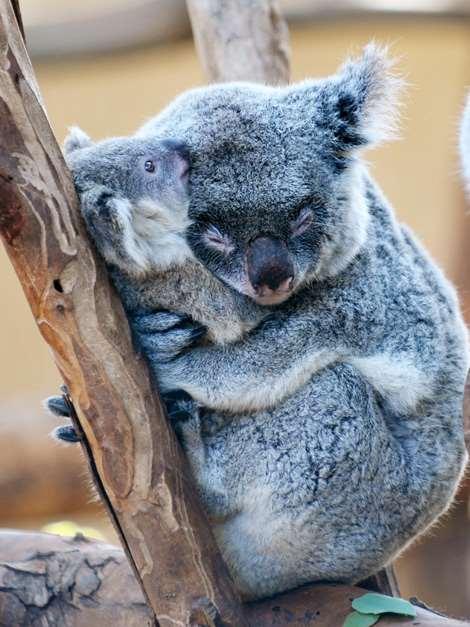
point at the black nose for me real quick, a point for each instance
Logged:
(269, 264)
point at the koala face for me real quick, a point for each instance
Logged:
(134, 198)
(277, 186)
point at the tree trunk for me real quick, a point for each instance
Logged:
(241, 40)
(49, 580)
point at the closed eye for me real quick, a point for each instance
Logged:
(213, 238)
(302, 223)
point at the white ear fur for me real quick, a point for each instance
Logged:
(375, 88)
(75, 140)
(464, 143)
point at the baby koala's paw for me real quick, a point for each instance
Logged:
(162, 336)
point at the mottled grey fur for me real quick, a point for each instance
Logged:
(356, 444)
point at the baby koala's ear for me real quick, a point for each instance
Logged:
(364, 99)
(76, 140)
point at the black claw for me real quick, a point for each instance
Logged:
(198, 333)
(175, 395)
(66, 433)
(58, 406)
(179, 415)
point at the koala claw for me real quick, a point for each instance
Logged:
(173, 401)
(58, 406)
(66, 433)
(164, 340)
(158, 321)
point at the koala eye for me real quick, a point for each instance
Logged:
(302, 223)
(213, 238)
(149, 165)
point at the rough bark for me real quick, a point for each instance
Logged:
(49, 580)
(133, 451)
(239, 40)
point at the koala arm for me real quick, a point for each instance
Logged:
(255, 373)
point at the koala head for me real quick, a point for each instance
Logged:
(277, 186)
(134, 199)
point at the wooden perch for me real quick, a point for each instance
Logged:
(85, 583)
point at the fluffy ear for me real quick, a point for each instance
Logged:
(365, 99)
(356, 107)
(465, 143)
(75, 140)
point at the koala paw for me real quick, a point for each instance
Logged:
(178, 405)
(162, 335)
(185, 418)
(66, 433)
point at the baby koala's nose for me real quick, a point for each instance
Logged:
(270, 268)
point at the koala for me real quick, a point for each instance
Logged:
(328, 436)
(332, 432)
(134, 199)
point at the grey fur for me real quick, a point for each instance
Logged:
(138, 221)
(356, 445)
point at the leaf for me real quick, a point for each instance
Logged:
(357, 619)
(373, 603)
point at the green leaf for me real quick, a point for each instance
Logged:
(373, 603)
(356, 619)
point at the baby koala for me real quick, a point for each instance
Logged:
(134, 199)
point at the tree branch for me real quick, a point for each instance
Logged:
(240, 40)
(84, 582)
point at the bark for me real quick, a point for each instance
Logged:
(240, 40)
(133, 452)
(49, 580)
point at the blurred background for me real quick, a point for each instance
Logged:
(107, 65)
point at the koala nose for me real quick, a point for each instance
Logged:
(270, 268)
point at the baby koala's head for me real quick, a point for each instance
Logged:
(134, 198)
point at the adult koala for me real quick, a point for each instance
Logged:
(329, 480)
(354, 443)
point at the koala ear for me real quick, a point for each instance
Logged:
(75, 140)
(465, 143)
(356, 107)
(364, 99)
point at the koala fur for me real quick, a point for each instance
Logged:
(332, 433)
(138, 220)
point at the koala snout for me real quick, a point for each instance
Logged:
(270, 269)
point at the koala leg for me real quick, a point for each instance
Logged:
(187, 418)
